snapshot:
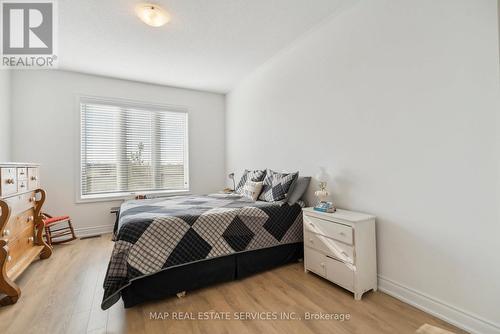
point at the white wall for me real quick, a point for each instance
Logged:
(45, 103)
(4, 115)
(399, 101)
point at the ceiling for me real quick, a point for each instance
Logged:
(208, 44)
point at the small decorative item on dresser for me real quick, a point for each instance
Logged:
(341, 247)
(21, 226)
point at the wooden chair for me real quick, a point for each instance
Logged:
(53, 234)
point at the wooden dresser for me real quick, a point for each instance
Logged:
(341, 247)
(21, 227)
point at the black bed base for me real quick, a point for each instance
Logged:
(204, 273)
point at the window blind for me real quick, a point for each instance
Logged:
(130, 148)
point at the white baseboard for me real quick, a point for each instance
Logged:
(93, 231)
(451, 314)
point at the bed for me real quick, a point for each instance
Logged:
(164, 246)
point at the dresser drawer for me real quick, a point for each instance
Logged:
(338, 272)
(17, 247)
(20, 203)
(8, 181)
(329, 246)
(22, 186)
(315, 261)
(17, 224)
(330, 229)
(33, 178)
(22, 173)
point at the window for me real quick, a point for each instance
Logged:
(128, 148)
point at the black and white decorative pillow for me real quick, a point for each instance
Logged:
(276, 185)
(250, 175)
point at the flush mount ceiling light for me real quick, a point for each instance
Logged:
(152, 15)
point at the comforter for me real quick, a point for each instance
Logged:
(157, 234)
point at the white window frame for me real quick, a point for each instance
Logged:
(125, 103)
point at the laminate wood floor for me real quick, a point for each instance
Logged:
(63, 294)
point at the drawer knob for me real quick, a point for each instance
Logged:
(34, 178)
(9, 258)
(6, 233)
(22, 185)
(342, 234)
(311, 241)
(10, 181)
(30, 239)
(322, 264)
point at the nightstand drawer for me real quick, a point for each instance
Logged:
(315, 261)
(329, 246)
(329, 228)
(338, 272)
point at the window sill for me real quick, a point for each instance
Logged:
(129, 196)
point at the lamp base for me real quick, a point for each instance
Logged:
(322, 195)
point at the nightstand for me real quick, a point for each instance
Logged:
(341, 247)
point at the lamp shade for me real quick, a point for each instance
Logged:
(322, 175)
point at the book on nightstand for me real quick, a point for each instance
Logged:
(325, 207)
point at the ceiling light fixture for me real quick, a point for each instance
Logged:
(152, 15)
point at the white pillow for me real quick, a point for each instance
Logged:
(251, 190)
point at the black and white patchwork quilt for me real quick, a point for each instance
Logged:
(157, 234)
